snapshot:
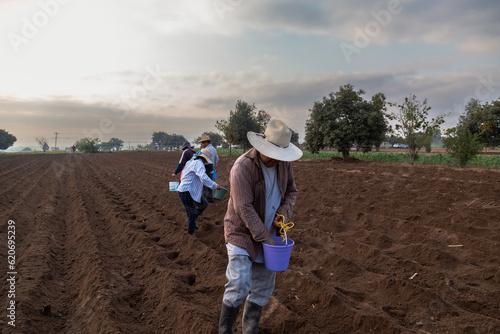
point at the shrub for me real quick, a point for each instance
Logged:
(88, 145)
(462, 145)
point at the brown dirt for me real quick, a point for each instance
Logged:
(101, 247)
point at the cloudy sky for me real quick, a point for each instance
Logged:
(125, 69)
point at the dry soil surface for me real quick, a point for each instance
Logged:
(101, 247)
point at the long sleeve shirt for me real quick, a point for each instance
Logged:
(213, 155)
(193, 178)
(246, 211)
(187, 154)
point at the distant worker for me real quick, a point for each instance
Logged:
(206, 143)
(187, 154)
(193, 179)
(73, 148)
(262, 187)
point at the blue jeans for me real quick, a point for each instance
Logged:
(247, 279)
(193, 208)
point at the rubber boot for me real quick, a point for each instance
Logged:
(251, 318)
(227, 319)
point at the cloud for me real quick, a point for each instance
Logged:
(281, 55)
(212, 94)
(471, 26)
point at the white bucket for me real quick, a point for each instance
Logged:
(173, 186)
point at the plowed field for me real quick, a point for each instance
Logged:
(101, 247)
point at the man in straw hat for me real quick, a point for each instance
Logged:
(206, 142)
(193, 179)
(262, 186)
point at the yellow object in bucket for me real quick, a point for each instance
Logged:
(284, 227)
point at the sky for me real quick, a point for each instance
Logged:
(126, 69)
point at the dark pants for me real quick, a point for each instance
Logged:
(207, 192)
(193, 208)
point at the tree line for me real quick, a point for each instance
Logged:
(342, 120)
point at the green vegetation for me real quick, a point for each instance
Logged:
(113, 144)
(479, 161)
(244, 118)
(344, 120)
(6, 139)
(414, 127)
(162, 140)
(232, 151)
(462, 145)
(34, 152)
(88, 145)
(482, 120)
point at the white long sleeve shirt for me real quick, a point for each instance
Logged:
(193, 178)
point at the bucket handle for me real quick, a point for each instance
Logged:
(284, 227)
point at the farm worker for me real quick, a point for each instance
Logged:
(193, 179)
(262, 186)
(187, 154)
(206, 143)
(73, 148)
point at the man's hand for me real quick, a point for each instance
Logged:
(276, 221)
(218, 187)
(174, 176)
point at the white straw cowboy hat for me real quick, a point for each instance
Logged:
(275, 142)
(204, 153)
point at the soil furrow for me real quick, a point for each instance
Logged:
(40, 249)
(161, 256)
(87, 297)
(381, 248)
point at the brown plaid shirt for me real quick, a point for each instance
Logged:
(244, 221)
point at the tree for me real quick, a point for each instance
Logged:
(413, 125)
(428, 136)
(159, 139)
(377, 121)
(473, 117)
(6, 139)
(243, 119)
(113, 143)
(43, 143)
(295, 138)
(483, 120)
(344, 119)
(88, 145)
(462, 145)
(490, 128)
(175, 141)
(227, 134)
(215, 138)
(105, 146)
(164, 140)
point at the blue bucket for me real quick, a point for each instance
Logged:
(276, 258)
